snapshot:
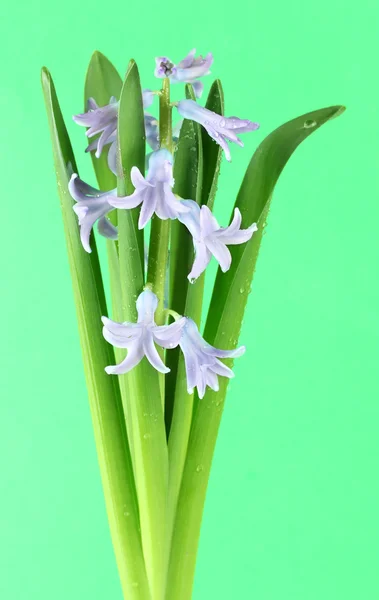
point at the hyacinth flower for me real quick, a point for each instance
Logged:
(221, 129)
(99, 120)
(154, 192)
(202, 360)
(140, 338)
(103, 120)
(188, 70)
(156, 388)
(91, 206)
(211, 239)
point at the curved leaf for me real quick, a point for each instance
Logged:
(232, 288)
(212, 152)
(222, 331)
(103, 391)
(144, 407)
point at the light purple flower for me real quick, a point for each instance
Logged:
(209, 238)
(221, 129)
(103, 120)
(202, 360)
(140, 338)
(154, 192)
(152, 131)
(187, 70)
(91, 206)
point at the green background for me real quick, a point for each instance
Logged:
(292, 509)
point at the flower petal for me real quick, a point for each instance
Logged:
(147, 303)
(187, 60)
(168, 336)
(220, 140)
(107, 229)
(202, 259)
(220, 369)
(138, 180)
(239, 237)
(120, 335)
(191, 218)
(134, 356)
(208, 222)
(128, 202)
(112, 158)
(198, 88)
(152, 355)
(149, 204)
(220, 252)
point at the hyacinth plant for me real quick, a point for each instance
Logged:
(156, 379)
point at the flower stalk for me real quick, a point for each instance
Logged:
(160, 229)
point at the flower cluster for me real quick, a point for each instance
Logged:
(154, 194)
(140, 339)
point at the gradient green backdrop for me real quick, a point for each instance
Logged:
(293, 506)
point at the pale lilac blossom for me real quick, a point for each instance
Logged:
(91, 205)
(221, 129)
(211, 239)
(188, 70)
(154, 192)
(140, 338)
(99, 120)
(202, 360)
(152, 131)
(103, 120)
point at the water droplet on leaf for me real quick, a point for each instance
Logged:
(309, 123)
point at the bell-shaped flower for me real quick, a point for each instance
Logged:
(209, 238)
(154, 192)
(221, 129)
(103, 120)
(188, 70)
(140, 338)
(202, 360)
(99, 120)
(91, 206)
(152, 131)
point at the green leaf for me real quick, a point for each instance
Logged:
(131, 140)
(232, 288)
(189, 169)
(144, 410)
(102, 82)
(103, 391)
(212, 152)
(188, 175)
(229, 298)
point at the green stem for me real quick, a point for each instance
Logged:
(160, 230)
(193, 488)
(182, 411)
(144, 408)
(103, 391)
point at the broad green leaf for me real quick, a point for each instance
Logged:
(229, 299)
(212, 152)
(232, 288)
(102, 82)
(188, 175)
(131, 153)
(103, 391)
(144, 410)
